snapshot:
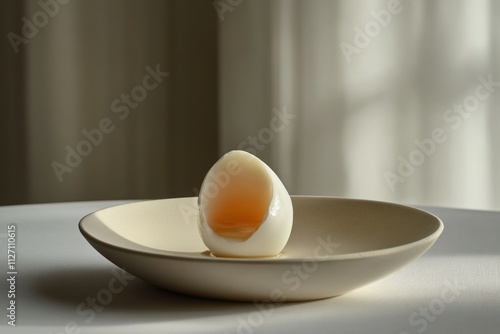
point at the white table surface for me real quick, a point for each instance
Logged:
(453, 288)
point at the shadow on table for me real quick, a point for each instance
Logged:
(86, 296)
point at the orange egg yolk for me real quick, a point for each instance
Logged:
(240, 206)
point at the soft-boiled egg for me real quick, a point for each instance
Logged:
(245, 210)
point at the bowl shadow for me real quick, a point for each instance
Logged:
(128, 300)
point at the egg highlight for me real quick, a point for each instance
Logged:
(244, 208)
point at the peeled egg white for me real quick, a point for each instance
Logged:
(237, 193)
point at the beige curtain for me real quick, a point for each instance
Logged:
(386, 100)
(107, 99)
(393, 100)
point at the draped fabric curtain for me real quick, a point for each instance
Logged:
(100, 99)
(390, 100)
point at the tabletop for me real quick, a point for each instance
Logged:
(55, 282)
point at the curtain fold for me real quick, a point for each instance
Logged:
(13, 143)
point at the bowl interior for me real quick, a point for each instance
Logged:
(354, 226)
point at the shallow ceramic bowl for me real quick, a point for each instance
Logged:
(336, 245)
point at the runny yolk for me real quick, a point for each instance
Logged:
(241, 206)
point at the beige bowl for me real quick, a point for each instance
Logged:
(336, 245)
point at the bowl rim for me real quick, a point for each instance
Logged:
(196, 256)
